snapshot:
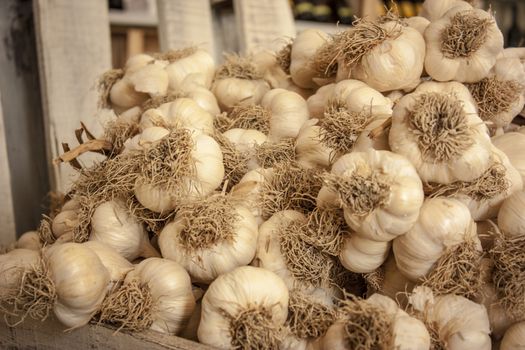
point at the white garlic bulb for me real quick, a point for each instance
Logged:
(182, 112)
(64, 222)
(147, 138)
(510, 217)
(249, 190)
(191, 64)
(245, 141)
(80, 280)
(115, 227)
(201, 168)
(203, 96)
(459, 149)
(462, 45)
(514, 338)
(395, 285)
(12, 266)
(151, 79)
(304, 47)
(419, 23)
(435, 9)
(252, 300)
(511, 143)
(461, 324)
(442, 223)
(379, 191)
(500, 96)
(288, 113)
(116, 265)
(239, 81)
(367, 140)
(210, 237)
(363, 255)
(29, 240)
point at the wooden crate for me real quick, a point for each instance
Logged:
(50, 335)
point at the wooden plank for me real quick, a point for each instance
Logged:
(7, 213)
(185, 23)
(261, 24)
(135, 40)
(22, 115)
(50, 335)
(73, 50)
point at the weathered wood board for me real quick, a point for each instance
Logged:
(74, 50)
(50, 335)
(7, 214)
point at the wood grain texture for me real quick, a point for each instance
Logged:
(51, 335)
(263, 24)
(73, 50)
(185, 23)
(7, 214)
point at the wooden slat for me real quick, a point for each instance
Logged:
(73, 49)
(7, 214)
(50, 335)
(183, 23)
(261, 24)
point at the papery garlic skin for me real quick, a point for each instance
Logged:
(363, 255)
(365, 141)
(512, 144)
(114, 226)
(123, 95)
(484, 209)
(511, 220)
(356, 96)
(442, 223)
(209, 173)
(401, 206)
(288, 113)
(12, 266)
(206, 264)
(170, 288)
(245, 141)
(80, 280)
(231, 92)
(396, 63)
(202, 95)
(151, 79)
(477, 64)
(198, 67)
(304, 47)
(231, 293)
(309, 148)
(514, 338)
(435, 9)
(29, 240)
(116, 265)
(467, 164)
(147, 138)
(65, 221)
(419, 23)
(183, 112)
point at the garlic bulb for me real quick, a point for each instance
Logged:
(12, 267)
(363, 255)
(151, 79)
(238, 81)
(462, 45)
(190, 64)
(500, 96)
(204, 97)
(245, 141)
(367, 139)
(443, 224)
(510, 217)
(435, 9)
(64, 222)
(115, 227)
(156, 295)
(375, 323)
(275, 73)
(418, 23)
(80, 281)
(181, 164)
(210, 237)
(282, 248)
(460, 324)
(484, 195)
(385, 54)
(305, 45)
(514, 338)
(395, 285)
(353, 94)
(511, 143)
(116, 265)
(288, 113)
(182, 112)
(240, 310)
(250, 189)
(458, 148)
(147, 138)
(379, 191)
(29, 240)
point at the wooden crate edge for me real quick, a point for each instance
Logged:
(51, 335)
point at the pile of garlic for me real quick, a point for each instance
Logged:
(362, 190)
